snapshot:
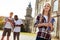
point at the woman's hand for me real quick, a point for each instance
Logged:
(39, 25)
(51, 26)
(45, 24)
(42, 24)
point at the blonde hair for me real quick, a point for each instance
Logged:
(49, 12)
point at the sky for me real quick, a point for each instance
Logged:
(18, 7)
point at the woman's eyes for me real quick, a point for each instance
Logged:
(47, 6)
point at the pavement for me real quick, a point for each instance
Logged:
(22, 37)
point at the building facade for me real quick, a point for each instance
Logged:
(29, 19)
(55, 12)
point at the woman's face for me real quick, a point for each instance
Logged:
(47, 7)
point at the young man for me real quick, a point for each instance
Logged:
(7, 26)
(17, 27)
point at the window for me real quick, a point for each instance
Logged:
(55, 8)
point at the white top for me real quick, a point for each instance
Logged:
(46, 17)
(8, 24)
(18, 22)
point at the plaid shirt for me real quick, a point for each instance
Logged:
(44, 32)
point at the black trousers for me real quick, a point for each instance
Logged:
(16, 35)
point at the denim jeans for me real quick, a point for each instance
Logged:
(38, 38)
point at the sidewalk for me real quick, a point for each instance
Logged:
(54, 39)
(23, 36)
(34, 35)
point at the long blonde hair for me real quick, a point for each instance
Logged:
(49, 13)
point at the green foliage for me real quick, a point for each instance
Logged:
(1, 23)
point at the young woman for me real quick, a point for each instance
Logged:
(17, 27)
(46, 27)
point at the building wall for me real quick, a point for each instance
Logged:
(29, 19)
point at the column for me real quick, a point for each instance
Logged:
(59, 17)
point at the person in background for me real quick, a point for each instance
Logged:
(8, 24)
(17, 27)
(46, 27)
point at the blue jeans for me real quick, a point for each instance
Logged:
(38, 38)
